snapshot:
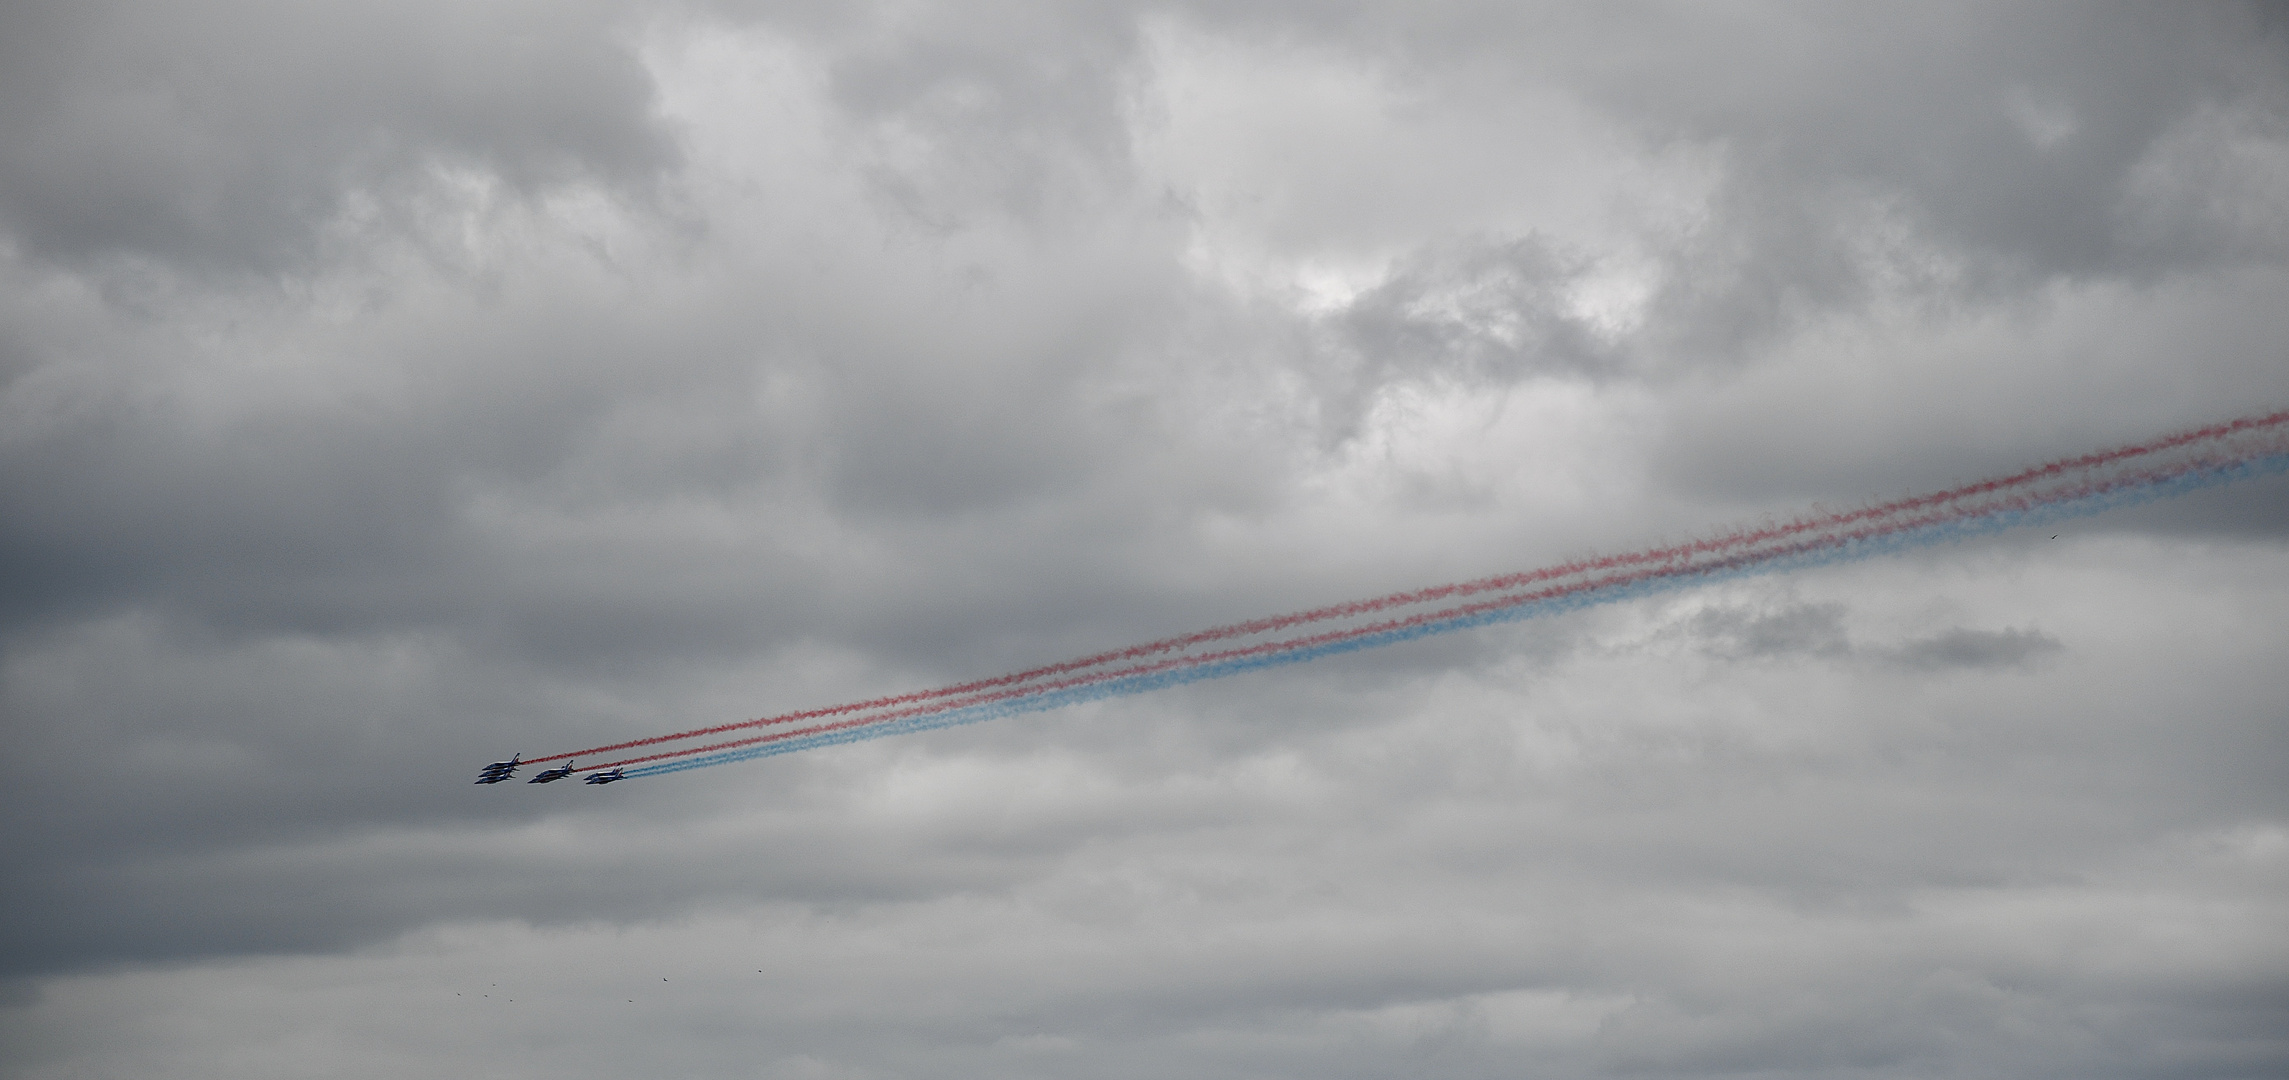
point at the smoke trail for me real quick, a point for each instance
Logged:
(2081, 489)
(853, 731)
(1973, 510)
(1724, 546)
(1713, 548)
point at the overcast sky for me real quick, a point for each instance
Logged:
(386, 388)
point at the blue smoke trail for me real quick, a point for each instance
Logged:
(1850, 550)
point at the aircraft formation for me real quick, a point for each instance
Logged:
(2159, 468)
(503, 770)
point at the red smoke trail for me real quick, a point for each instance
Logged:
(1736, 548)
(1960, 512)
(1427, 618)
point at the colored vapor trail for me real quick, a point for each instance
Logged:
(2157, 469)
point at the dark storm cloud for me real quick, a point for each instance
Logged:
(235, 135)
(1819, 631)
(1977, 649)
(349, 517)
(194, 896)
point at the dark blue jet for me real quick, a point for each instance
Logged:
(499, 770)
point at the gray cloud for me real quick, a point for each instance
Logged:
(1933, 152)
(1487, 312)
(249, 136)
(1820, 631)
(383, 392)
(1804, 629)
(1977, 649)
(1948, 155)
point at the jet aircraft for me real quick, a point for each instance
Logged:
(606, 777)
(549, 775)
(499, 770)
